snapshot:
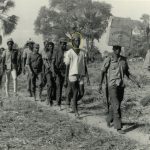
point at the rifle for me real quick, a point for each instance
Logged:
(107, 91)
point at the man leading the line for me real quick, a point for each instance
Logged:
(117, 67)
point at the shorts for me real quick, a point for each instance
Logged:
(78, 78)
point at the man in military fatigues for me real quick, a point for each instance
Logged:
(117, 66)
(26, 53)
(48, 76)
(59, 69)
(34, 63)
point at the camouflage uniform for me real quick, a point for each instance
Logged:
(35, 62)
(48, 76)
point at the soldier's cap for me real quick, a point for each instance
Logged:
(116, 47)
(30, 41)
(63, 40)
(10, 40)
(49, 42)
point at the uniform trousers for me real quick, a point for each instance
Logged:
(116, 94)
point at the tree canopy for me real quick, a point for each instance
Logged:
(8, 23)
(64, 17)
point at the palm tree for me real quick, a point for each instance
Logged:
(7, 23)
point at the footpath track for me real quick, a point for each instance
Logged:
(99, 122)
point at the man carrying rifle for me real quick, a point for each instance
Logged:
(34, 63)
(116, 66)
(59, 68)
(48, 78)
(26, 53)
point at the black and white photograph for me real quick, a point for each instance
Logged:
(74, 74)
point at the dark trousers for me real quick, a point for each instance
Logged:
(75, 91)
(1, 78)
(33, 83)
(59, 87)
(34, 78)
(116, 94)
(29, 78)
(51, 87)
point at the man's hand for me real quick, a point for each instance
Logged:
(54, 74)
(138, 84)
(65, 83)
(100, 89)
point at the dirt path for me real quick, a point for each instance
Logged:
(132, 131)
(100, 122)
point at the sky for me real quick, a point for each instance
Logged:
(124, 8)
(27, 10)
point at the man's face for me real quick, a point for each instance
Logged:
(50, 47)
(1, 51)
(76, 42)
(36, 48)
(30, 45)
(10, 45)
(117, 51)
(64, 46)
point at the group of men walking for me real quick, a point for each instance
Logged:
(68, 68)
(56, 68)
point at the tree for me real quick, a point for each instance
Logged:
(64, 17)
(7, 23)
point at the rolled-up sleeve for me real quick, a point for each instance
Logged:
(106, 64)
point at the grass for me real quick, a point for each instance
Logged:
(24, 125)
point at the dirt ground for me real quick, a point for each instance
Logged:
(27, 125)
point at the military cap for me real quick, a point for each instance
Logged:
(63, 40)
(10, 40)
(30, 41)
(116, 47)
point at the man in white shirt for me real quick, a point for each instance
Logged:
(76, 70)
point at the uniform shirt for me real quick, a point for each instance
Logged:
(58, 62)
(77, 64)
(35, 62)
(26, 54)
(47, 60)
(10, 59)
(116, 70)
